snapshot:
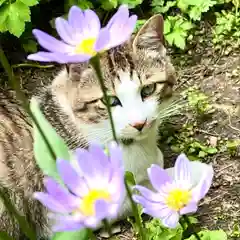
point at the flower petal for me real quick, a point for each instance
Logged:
(119, 16)
(204, 184)
(65, 31)
(76, 18)
(66, 223)
(190, 208)
(58, 57)
(121, 26)
(49, 202)
(182, 170)
(103, 39)
(50, 43)
(161, 211)
(60, 194)
(116, 186)
(102, 162)
(101, 209)
(158, 176)
(149, 195)
(46, 57)
(116, 155)
(171, 220)
(92, 24)
(90, 165)
(71, 178)
(123, 33)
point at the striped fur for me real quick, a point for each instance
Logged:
(72, 103)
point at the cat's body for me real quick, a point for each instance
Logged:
(138, 77)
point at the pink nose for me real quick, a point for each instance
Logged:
(139, 125)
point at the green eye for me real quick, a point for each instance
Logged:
(148, 90)
(114, 101)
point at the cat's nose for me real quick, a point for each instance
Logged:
(139, 125)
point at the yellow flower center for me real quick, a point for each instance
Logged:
(86, 47)
(178, 198)
(87, 206)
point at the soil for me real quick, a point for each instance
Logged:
(218, 76)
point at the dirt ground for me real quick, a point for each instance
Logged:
(218, 76)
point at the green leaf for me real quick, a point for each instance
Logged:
(25, 227)
(3, 18)
(186, 25)
(5, 236)
(130, 3)
(211, 150)
(210, 235)
(179, 41)
(42, 153)
(183, 5)
(156, 231)
(202, 154)
(167, 26)
(109, 4)
(30, 46)
(84, 4)
(2, 1)
(29, 3)
(79, 235)
(13, 17)
(130, 178)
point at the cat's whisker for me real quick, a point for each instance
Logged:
(170, 111)
(177, 102)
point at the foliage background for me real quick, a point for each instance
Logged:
(186, 23)
(182, 20)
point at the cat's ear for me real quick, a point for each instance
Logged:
(150, 36)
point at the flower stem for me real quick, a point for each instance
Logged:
(135, 212)
(186, 219)
(95, 62)
(107, 227)
(91, 235)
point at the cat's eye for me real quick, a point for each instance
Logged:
(148, 90)
(113, 101)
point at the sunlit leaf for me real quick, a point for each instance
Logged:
(42, 152)
(79, 235)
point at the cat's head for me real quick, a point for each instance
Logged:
(139, 77)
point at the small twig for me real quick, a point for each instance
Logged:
(213, 199)
(31, 65)
(206, 132)
(222, 169)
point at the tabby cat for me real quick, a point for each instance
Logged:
(139, 78)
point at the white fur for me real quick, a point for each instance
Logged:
(143, 152)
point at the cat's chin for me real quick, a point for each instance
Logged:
(128, 141)
(140, 137)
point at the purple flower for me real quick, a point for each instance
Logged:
(82, 36)
(177, 190)
(94, 189)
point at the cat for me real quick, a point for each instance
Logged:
(139, 77)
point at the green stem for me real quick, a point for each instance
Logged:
(95, 61)
(91, 235)
(31, 65)
(135, 211)
(20, 95)
(107, 227)
(190, 226)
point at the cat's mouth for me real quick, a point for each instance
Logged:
(130, 135)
